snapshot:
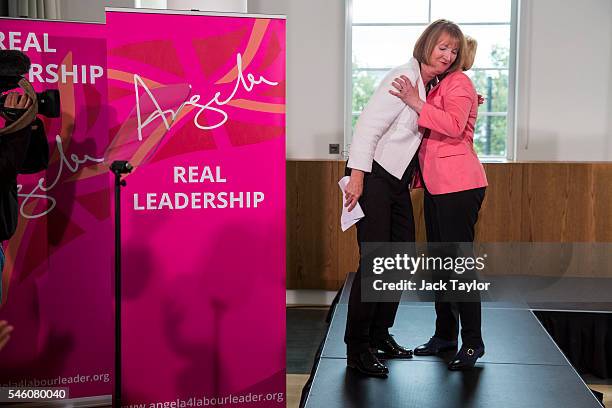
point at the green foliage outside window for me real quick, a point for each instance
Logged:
(364, 84)
(491, 132)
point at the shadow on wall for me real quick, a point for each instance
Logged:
(207, 318)
(538, 145)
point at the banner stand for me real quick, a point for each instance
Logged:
(118, 168)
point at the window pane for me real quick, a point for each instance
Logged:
(469, 11)
(364, 84)
(490, 135)
(354, 122)
(377, 47)
(493, 45)
(390, 11)
(383, 47)
(493, 85)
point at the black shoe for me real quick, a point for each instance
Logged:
(390, 348)
(434, 346)
(367, 363)
(466, 358)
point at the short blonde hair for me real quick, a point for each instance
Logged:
(430, 37)
(470, 52)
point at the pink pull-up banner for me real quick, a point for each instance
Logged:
(57, 278)
(196, 103)
(198, 107)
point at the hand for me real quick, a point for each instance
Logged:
(481, 99)
(5, 333)
(407, 93)
(15, 100)
(353, 189)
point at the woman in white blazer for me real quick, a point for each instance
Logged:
(381, 163)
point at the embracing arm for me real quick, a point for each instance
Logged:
(450, 120)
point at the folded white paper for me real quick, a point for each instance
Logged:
(348, 218)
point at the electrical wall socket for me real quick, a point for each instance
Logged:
(334, 148)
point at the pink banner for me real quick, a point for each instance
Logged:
(57, 280)
(198, 104)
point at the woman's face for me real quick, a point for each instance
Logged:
(443, 54)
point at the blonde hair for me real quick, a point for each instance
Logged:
(470, 53)
(429, 38)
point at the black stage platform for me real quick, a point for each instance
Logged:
(522, 367)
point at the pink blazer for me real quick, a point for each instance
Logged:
(447, 157)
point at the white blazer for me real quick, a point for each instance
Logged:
(387, 129)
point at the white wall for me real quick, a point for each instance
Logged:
(79, 10)
(315, 73)
(233, 6)
(565, 81)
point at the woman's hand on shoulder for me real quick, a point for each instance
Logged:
(354, 189)
(407, 92)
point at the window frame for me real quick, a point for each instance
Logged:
(512, 66)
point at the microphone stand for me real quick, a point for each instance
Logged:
(118, 168)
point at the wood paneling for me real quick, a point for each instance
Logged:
(312, 219)
(602, 199)
(567, 202)
(500, 214)
(525, 202)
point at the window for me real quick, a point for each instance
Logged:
(381, 35)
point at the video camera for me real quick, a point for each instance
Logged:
(13, 66)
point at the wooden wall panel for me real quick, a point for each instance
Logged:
(499, 219)
(602, 199)
(312, 219)
(419, 215)
(566, 202)
(525, 202)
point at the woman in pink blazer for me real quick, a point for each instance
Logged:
(454, 182)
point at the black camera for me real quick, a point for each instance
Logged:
(13, 66)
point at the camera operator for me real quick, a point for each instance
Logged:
(23, 143)
(13, 149)
(24, 148)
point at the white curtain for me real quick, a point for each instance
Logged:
(47, 9)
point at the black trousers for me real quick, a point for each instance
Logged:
(388, 218)
(451, 218)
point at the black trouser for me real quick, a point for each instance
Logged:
(388, 218)
(451, 218)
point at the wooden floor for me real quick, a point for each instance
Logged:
(607, 391)
(295, 383)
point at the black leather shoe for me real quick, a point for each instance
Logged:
(390, 348)
(466, 358)
(368, 364)
(435, 346)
